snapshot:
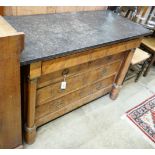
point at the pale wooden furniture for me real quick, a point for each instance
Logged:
(138, 64)
(148, 43)
(11, 45)
(1, 10)
(139, 56)
(32, 10)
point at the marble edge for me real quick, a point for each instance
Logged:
(27, 62)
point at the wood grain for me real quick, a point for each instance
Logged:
(72, 98)
(10, 104)
(1, 10)
(72, 106)
(57, 76)
(35, 70)
(31, 10)
(90, 55)
(76, 82)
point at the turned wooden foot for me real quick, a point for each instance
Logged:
(30, 135)
(114, 93)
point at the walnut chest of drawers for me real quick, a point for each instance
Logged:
(68, 60)
(88, 75)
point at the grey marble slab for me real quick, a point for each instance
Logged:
(54, 35)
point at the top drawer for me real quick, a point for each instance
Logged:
(86, 56)
(50, 66)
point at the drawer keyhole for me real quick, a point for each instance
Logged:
(64, 83)
(65, 72)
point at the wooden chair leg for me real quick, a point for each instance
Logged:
(141, 71)
(149, 66)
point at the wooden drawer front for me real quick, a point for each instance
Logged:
(57, 76)
(53, 91)
(72, 98)
(86, 56)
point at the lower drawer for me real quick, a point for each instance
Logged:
(73, 100)
(76, 82)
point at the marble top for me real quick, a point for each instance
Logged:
(54, 35)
